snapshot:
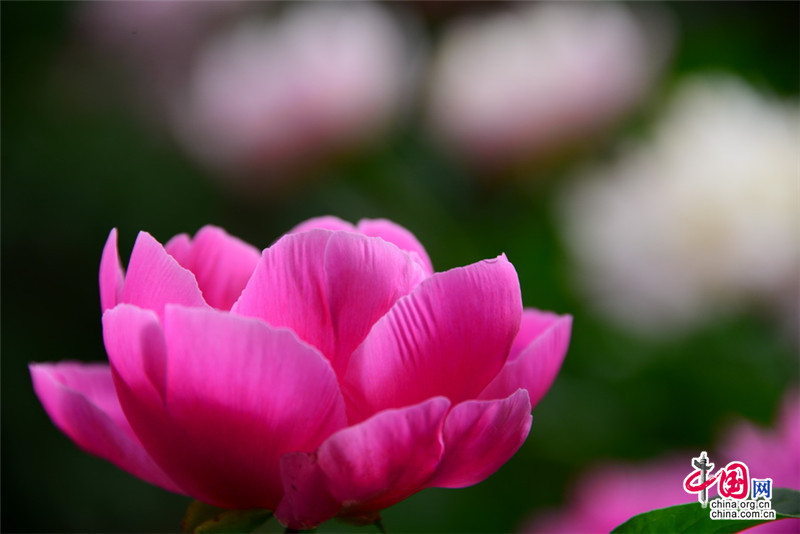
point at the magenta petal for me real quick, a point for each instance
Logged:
(137, 350)
(394, 233)
(479, 437)
(449, 337)
(112, 276)
(326, 222)
(306, 502)
(221, 263)
(245, 394)
(328, 287)
(135, 345)
(385, 459)
(155, 278)
(534, 323)
(180, 248)
(82, 402)
(536, 366)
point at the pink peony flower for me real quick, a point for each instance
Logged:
(335, 374)
(611, 494)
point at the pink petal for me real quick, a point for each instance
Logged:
(536, 366)
(245, 394)
(385, 459)
(135, 345)
(534, 323)
(306, 502)
(326, 222)
(449, 337)
(383, 228)
(328, 287)
(479, 437)
(180, 248)
(112, 276)
(155, 279)
(394, 233)
(82, 402)
(221, 263)
(137, 351)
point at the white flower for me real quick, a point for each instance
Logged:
(702, 217)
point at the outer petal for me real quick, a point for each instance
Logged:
(221, 263)
(112, 276)
(394, 233)
(135, 345)
(536, 366)
(450, 337)
(479, 437)
(328, 287)
(534, 323)
(155, 279)
(306, 502)
(81, 401)
(385, 459)
(137, 350)
(240, 389)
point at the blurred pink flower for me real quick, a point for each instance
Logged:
(152, 41)
(532, 79)
(611, 494)
(274, 94)
(773, 453)
(335, 374)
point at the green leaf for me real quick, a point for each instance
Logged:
(693, 517)
(202, 518)
(786, 502)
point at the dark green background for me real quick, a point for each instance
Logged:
(72, 171)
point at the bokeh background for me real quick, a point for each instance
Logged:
(637, 163)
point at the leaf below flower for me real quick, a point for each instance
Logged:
(693, 517)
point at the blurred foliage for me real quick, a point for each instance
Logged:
(72, 171)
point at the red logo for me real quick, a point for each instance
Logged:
(732, 481)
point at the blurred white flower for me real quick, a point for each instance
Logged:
(529, 80)
(270, 95)
(702, 217)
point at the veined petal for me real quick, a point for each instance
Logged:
(479, 437)
(535, 366)
(245, 394)
(112, 277)
(221, 263)
(449, 337)
(394, 233)
(155, 278)
(328, 287)
(383, 228)
(81, 401)
(385, 459)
